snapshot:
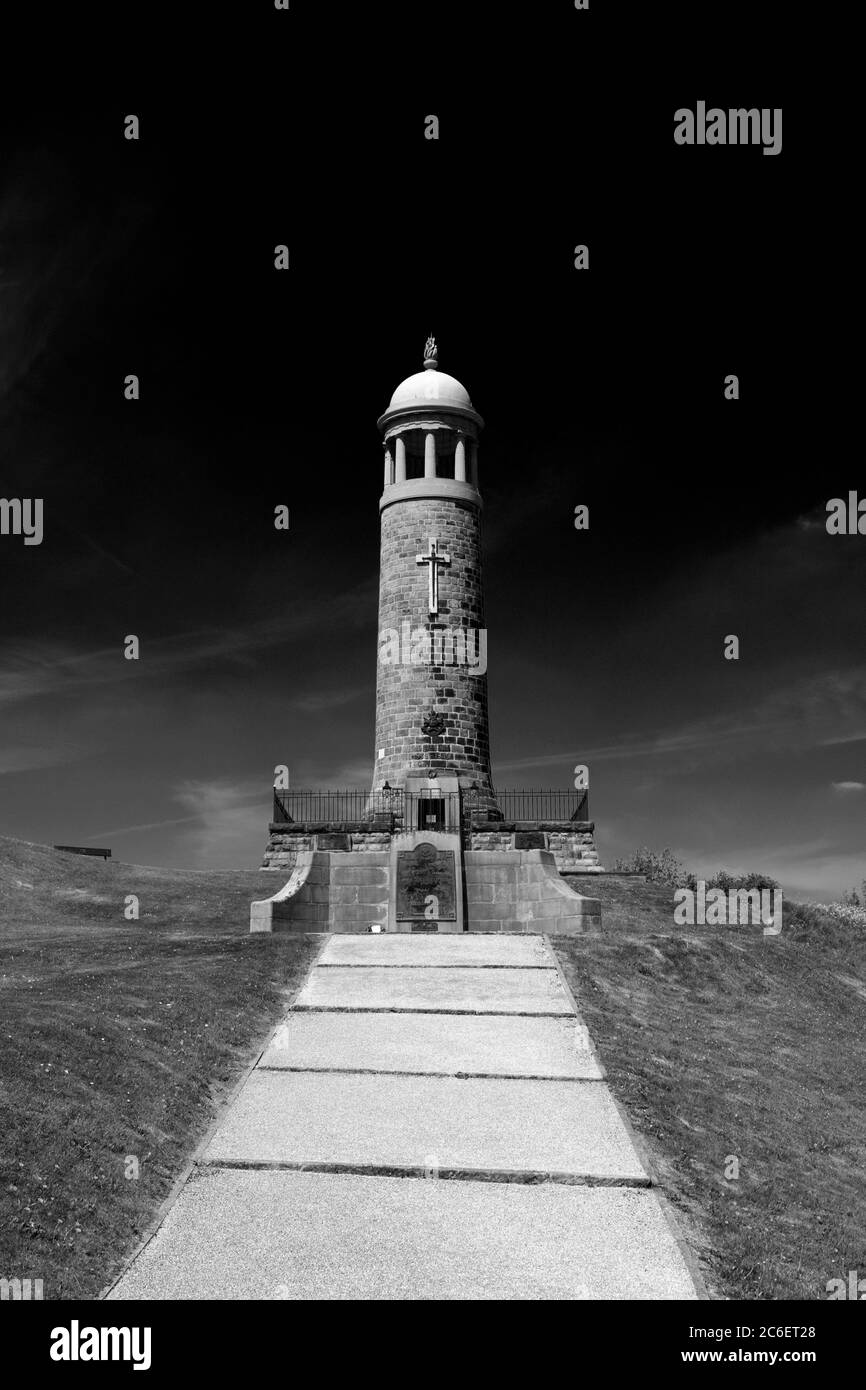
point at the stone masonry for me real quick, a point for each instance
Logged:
(572, 850)
(406, 692)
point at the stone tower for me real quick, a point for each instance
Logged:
(431, 688)
(428, 848)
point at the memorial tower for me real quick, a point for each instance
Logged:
(431, 686)
(428, 847)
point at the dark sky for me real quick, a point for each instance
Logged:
(260, 388)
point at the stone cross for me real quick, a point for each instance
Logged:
(434, 560)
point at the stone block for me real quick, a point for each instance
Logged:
(504, 874)
(349, 916)
(529, 839)
(333, 841)
(573, 926)
(482, 858)
(479, 892)
(369, 894)
(358, 874)
(550, 908)
(296, 911)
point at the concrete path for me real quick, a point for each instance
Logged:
(428, 1122)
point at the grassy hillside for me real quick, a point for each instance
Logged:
(117, 1040)
(722, 1043)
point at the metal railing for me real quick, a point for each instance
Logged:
(544, 805)
(335, 808)
(386, 809)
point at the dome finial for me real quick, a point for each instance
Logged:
(431, 358)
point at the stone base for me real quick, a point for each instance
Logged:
(329, 891)
(572, 846)
(502, 890)
(522, 891)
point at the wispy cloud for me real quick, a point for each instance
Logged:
(318, 701)
(38, 670)
(232, 820)
(27, 759)
(799, 716)
(811, 869)
(204, 798)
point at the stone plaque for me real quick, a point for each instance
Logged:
(529, 839)
(426, 887)
(333, 840)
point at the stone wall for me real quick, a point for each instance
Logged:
(282, 850)
(491, 839)
(506, 891)
(406, 692)
(284, 845)
(522, 891)
(369, 842)
(571, 849)
(327, 891)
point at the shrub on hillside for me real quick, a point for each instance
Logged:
(658, 868)
(856, 897)
(727, 881)
(827, 925)
(847, 914)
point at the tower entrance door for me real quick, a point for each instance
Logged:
(431, 813)
(432, 804)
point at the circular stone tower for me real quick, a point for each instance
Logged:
(431, 688)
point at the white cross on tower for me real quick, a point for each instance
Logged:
(434, 560)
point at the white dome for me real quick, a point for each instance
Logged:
(429, 388)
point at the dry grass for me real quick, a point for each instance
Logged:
(722, 1043)
(118, 1040)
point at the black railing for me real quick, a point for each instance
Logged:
(385, 809)
(335, 808)
(544, 805)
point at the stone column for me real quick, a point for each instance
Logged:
(400, 475)
(406, 694)
(387, 467)
(460, 460)
(430, 455)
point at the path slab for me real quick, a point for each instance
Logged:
(401, 948)
(266, 1235)
(531, 1189)
(496, 1045)
(441, 990)
(493, 1126)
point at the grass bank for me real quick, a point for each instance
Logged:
(118, 1040)
(736, 1052)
